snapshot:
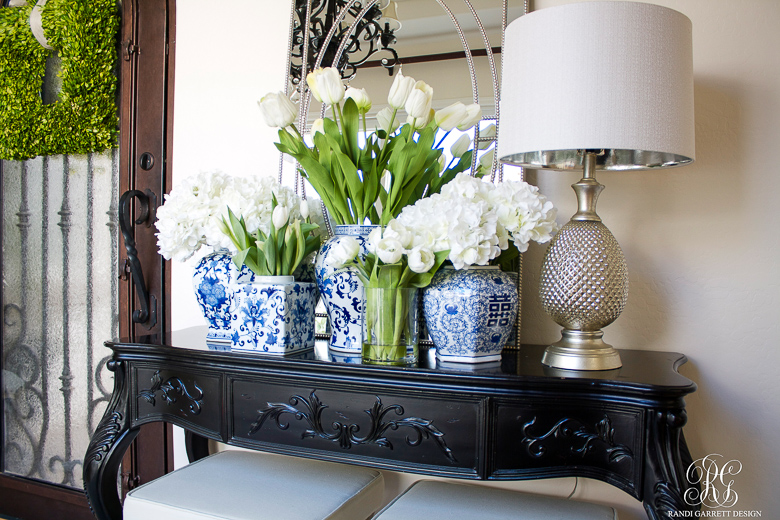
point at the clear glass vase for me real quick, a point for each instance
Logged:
(390, 335)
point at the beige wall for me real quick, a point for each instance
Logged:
(702, 244)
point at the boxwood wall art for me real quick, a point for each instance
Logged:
(84, 117)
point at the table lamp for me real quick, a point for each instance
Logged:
(594, 86)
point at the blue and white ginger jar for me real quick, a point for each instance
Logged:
(213, 281)
(273, 315)
(342, 293)
(471, 313)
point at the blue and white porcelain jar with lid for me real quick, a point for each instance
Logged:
(471, 313)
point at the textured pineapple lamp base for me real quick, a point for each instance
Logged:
(581, 350)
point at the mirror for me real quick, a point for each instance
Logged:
(424, 42)
(424, 38)
(229, 56)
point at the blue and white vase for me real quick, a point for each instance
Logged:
(273, 315)
(213, 281)
(470, 313)
(342, 293)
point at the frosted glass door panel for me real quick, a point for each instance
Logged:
(59, 306)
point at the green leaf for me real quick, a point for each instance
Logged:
(269, 253)
(351, 124)
(353, 183)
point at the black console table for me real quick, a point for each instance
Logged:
(512, 420)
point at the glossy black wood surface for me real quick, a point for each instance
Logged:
(516, 419)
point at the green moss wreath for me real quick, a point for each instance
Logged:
(84, 118)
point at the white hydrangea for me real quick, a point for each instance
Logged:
(523, 212)
(474, 220)
(192, 214)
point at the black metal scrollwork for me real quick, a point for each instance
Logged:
(576, 431)
(372, 35)
(168, 389)
(147, 314)
(347, 434)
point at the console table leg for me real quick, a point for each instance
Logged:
(667, 461)
(106, 450)
(197, 446)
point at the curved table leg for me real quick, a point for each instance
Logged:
(667, 460)
(197, 446)
(106, 449)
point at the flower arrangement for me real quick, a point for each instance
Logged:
(396, 165)
(213, 210)
(281, 250)
(471, 222)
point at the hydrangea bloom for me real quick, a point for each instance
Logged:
(472, 218)
(192, 214)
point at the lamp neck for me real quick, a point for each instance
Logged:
(587, 190)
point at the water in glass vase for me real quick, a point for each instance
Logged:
(390, 335)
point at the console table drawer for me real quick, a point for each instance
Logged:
(179, 396)
(537, 438)
(439, 436)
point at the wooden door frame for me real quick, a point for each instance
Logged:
(146, 72)
(146, 130)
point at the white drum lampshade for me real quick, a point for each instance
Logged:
(592, 86)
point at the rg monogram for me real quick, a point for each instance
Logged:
(716, 484)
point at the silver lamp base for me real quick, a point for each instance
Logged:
(582, 350)
(583, 283)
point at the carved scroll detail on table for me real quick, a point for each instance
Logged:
(581, 440)
(168, 391)
(347, 434)
(104, 437)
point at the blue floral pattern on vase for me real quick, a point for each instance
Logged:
(273, 318)
(470, 313)
(213, 281)
(342, 293)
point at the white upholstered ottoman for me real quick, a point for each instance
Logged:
(248, 485)
(435, 500)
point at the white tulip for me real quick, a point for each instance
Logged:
(280, 216)
(390, 250)
(442, 161)
(488, 131)
(418, 104)
(384, 117)
(420, 122)
(318, 126)
(399, 90)
(472, 117)
(304, 209)
(449, 117)
(421, 260)
(486, 161)
(373, 240)
(396, 229)
(460, 146)
(360, 97)
(342, 252)
(277, 109)
(326, 85)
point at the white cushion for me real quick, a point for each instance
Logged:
(436, 500)
(238, 485)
